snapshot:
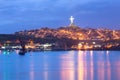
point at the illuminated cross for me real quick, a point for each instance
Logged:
(71, 19)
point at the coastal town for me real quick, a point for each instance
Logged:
(70, 37)
(64, 38)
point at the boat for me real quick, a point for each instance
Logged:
(22, 50)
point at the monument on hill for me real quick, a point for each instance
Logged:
(72, 22)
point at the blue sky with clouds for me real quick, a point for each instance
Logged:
(16, 15)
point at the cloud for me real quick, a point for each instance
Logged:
(41, 4)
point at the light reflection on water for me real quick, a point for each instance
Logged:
(61, 65)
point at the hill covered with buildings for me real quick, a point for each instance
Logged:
(72, 32)
(69, 37)
(72, 36)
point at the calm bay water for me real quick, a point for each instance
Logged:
(61, 65)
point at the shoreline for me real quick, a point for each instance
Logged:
(33, 50)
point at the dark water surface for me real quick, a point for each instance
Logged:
(61, 65)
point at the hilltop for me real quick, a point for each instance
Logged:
(74, 33)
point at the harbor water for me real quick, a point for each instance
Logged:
(60, 65)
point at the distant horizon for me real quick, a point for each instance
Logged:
(59, 27)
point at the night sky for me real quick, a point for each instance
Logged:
(17, 15)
